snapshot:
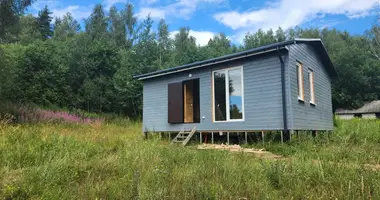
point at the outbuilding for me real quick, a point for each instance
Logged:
(370, 110)
(284, 86)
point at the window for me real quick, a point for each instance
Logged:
(311, 84)
(300, 81)
(228, 94)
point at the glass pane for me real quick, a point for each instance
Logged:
(298, 81)
(236, 94)
(311, 83)
(220, 96)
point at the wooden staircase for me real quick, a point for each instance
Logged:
(184, 137)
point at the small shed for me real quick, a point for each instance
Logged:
(284, 86)
(370, 110)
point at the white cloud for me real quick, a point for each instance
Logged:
(148, 2)
(109, 3)
(181, 9)
(202, 36)
(154, 13)
(78, 12)
(289, 13)
(58, 10)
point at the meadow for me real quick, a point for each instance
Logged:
(112, 160)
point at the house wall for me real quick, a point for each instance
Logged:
(262, 97)
(369, 116)
(345, 116)
(303, 115)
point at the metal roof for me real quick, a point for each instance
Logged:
(371, 107)
(316, 43)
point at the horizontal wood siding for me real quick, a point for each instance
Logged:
(262, 97)
(305, 116)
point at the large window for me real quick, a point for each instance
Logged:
(300, 81)
(228, 94)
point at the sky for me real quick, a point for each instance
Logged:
(234, 17)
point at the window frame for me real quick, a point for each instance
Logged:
(311, 86)
(300, 84)
(228, 117)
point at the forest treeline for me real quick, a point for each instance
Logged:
(56, 62)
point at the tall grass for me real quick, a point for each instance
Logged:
(24, 113)
(113, 161)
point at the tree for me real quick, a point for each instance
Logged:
(219, 45)
(280, 35)
(96, 24)
(373, 36)
(130, 21)
(116, 27)
(66, 27)
(146, 51)
(44, 19)
(10, 12)
(129, 98)
(165, 45)
(259, 38)
(185, 47)
(40, 78)
(29, 30)
(93, 69)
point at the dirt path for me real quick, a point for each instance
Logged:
(260, 153)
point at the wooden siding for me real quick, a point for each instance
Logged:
(304, 115)
(262, 97)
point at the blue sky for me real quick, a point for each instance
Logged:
(235, 17)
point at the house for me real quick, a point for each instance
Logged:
(370, 110)
(284, 86)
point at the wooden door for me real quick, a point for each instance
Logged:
(188, 89)
(175, 103)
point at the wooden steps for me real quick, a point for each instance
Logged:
(184, 137)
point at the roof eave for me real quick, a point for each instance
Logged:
(181, 68)
(331, 68)
(260, 50)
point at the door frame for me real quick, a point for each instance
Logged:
(199, 102)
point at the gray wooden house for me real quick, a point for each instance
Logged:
(284, 86)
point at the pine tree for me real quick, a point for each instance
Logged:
(44, 23)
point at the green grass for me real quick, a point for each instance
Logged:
(113, 161)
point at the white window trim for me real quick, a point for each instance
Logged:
(300, 85)
(225, 71)
(311, 76)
